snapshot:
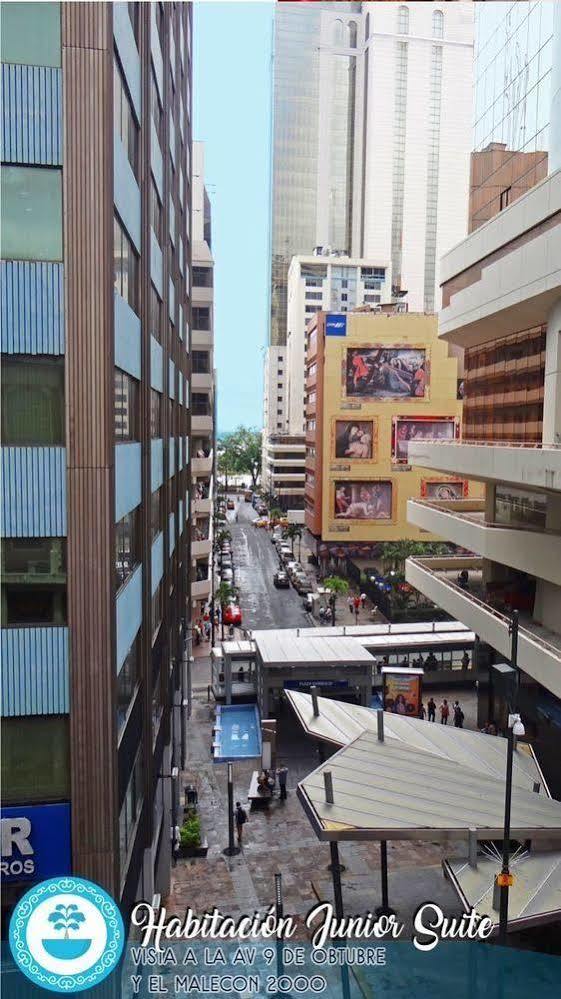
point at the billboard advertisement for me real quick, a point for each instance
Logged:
(378, 372)
(363, 499)
(354, 439)
(403, 692)
(406, 429)
(35, 842)
(335, 324)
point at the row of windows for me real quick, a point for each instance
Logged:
(403, 22)
(124, 120)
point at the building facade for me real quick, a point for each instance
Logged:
(375, 383)
(96, 257)
(203, 407)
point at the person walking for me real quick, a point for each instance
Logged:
(458, 715)
(363, 600)
(240, 817)
(444, 712)
(351, 605)
(431, 707)
(422, 712)
(282, 774)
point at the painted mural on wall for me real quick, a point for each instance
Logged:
(354, 439)
(444, 489)
(366, 500)
(378, 372)
(420, 428)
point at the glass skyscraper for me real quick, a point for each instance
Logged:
(300, 131)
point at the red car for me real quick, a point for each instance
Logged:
(232, 615)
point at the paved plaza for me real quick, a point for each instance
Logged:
(280, 839)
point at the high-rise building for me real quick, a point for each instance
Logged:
(501, 297)
(370, 152)
(203, 428)
(96, 258)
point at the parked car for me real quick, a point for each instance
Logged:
(227, 575)
(226, 562)
(231, 505)
(308, 603)
(248, 496)
(302, 584)
(281, 581)
(232, 615)
(262, 510)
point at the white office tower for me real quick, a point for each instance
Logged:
(331, 282)
(418, 99)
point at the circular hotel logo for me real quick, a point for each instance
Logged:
(66, 935)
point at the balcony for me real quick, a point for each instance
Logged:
(201, 466)
(532, 465)
(539, 650)
(201, 338)
(200, 589)
(201, 548)
(534, 551)
(202, 505)
(201, 423)
(202, 381)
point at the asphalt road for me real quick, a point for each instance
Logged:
(255, 563)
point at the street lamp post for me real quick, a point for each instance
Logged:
(514, 728)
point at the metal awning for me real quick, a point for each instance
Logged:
(282, 648)
(535, 896)
(388, 790)
(339, 724)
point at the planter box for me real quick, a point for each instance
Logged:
(185, 852)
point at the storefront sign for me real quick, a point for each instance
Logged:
(402, 691)
(35, 842)
(306, 684)
(335, 324)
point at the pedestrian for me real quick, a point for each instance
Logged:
(363, 600)
(422, 712)
(230, 631)
(458, 715)
(465, 660)
(240, 816)
(282, 774)
(356, 603)
(351, 605)
(431, 705)
(444, 712)
(404, 663)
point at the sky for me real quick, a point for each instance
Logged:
(231, 101)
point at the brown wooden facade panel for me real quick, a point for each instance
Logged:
(88, 254)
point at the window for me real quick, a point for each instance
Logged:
(351, 34)
(155, 514)
(505, 198)
(127, 682)
(160, 22)
(32, 400)
(34, 581)
(125, 123)
(155, 414)
(200, 404)
(125, 266)
(201, 570)
(128, 550)
(157, 112)
(132, 806)
(35, 759)
(31, 34)
(201, 317)
(31, 213)
(134, 19)
(156, 215)
(126, 407)
(403, 20)
(314, 295)
(156, 314)
(157, 610)
(437, 24)
(202, 277)
(201, 362)
(157, 705)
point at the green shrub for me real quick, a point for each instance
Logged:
(190, 832)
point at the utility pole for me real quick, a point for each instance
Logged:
(504, 879)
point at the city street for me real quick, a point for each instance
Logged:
(255, 563)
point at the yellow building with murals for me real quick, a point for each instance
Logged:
(386, 380)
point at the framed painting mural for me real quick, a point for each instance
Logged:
(363, 500)
(376, 372)
(420, 428)
(444, 489)
(354, 440)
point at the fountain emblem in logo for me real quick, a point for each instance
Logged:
(66, 934)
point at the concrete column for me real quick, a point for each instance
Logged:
(551, 433)
(228, 678)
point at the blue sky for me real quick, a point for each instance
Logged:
(231, 100)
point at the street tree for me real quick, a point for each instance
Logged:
(239, 453)
(292, 532)
(337, 587)
(225, 594)
(221, 537)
